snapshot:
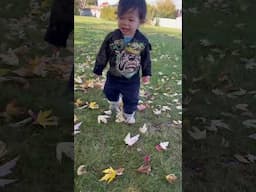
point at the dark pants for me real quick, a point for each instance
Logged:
(129, 92)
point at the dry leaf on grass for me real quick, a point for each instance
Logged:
(251, 157)
(144, 128)
(65, 147)
(110, 174)
(252, 136)
(146, 167)
(197, 134)
(5, 169)
(44, 119)
(93, 105)
(131, 140)
(250, 123)
(217, 123)
(241, 158)
(81, 170)
(242, 107)
(103, 118)
(12, 109)
(171, 178)
(162, 146)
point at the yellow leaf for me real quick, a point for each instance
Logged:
(78, 102)
(110, 174)
(44, 118)
(93, 105)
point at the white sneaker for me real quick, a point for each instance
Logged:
(129, 118)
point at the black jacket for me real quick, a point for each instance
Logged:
(125, 60)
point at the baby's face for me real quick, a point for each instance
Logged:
(129, 22)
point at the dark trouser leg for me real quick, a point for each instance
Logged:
(130, 97)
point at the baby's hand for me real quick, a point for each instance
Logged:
(97, 77)
(146, 80)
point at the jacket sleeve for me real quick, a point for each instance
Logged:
(146, 61)
(102, 56)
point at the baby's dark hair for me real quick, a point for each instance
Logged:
(125, 5)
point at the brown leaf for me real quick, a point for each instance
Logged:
(171, 178)
(144, 169)
(13, 110)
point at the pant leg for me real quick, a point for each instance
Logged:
(130, 95)
(111, 90)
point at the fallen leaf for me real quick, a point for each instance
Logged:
(81, 170)
(78, 80)
(110, 174)
(197, 134)
(93, 105)
(250, 123)
(251, 157)
(162, 146)
(217, 123)
(166, 108)
(5, 169)
(79, 103)
(65, 147)
(144, 128)
(241, 158)
(157, 111)
(13, 110)
(144, 169)
(131, 140)
(103, 118)
(235, 94)
(242, 107)
(171, 178)
(252, 136)
(44, 118)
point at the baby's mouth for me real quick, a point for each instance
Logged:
(125, 30)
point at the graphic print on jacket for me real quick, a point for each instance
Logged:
(127, 57)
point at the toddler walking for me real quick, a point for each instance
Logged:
(128, 52)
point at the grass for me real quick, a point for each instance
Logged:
(99, 146)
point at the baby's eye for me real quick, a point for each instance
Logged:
(131, 20)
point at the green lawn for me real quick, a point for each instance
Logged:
(99, 146)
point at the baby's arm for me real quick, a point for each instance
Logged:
(102, 57)
(146, 65)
